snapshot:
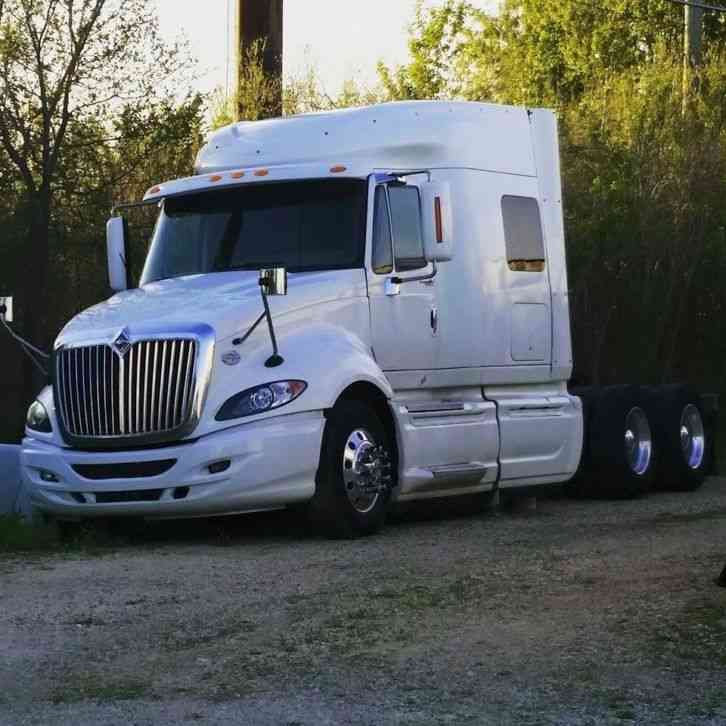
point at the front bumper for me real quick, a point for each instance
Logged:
(272, 464)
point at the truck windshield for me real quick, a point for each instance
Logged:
(303, 226)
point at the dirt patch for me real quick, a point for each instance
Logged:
(576, 613)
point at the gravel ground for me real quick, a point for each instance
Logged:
(576, 613)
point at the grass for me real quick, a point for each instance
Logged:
(697, 635)
(20, 536)
(91, 687)
(17, 535)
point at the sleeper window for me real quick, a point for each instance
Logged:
(407, 232)
(523, 234)
(382, 247)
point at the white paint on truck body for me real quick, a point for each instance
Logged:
(474, 363)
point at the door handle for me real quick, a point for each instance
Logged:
(392, 288)
(434, 320)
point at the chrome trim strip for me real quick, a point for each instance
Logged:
(147, 428)
(153, 386)
(122, 396)
(168, 413)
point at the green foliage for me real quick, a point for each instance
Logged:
(17, 535)
(257, 94)
(301, 93)
(644, 174)
(89, 115)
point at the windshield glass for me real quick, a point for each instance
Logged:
(303, 226)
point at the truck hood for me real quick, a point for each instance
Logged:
(229, 301)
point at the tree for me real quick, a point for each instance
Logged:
(545, 52)
(644, 183)
(65, 65)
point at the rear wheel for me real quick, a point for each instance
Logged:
(680, 435)
(621, 461)
(355, 476)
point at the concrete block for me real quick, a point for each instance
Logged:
(9, 478)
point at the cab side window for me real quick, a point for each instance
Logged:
(382, 241)
(397, 230)
(523, 234)
(407, 230)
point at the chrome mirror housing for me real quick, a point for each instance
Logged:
(273, 281)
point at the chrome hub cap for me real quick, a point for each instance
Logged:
(366, 471)
(638, 441)
(693, 437)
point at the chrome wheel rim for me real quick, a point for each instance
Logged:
(638, 441)
(693, 437)
(364, 470)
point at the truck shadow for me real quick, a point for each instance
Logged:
(284, 526)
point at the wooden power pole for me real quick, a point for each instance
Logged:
(260, 21)
(692, 49)
(694, 35)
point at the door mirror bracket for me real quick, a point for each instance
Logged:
(418, 278)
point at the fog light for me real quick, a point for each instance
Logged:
(49, 477)
(219, 467)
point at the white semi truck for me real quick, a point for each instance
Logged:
(341, 311)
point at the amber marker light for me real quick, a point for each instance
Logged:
(154, 190)
(215, 178)
(237, 175)
(338, 169)
(439, 220)
(262, 172)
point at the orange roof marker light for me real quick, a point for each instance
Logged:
(262, 172)
(215, 178)
(338, 169)
(154, 190)
(237, 175)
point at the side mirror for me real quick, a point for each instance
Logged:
(116, 249)
(6, 309)
(273, 281)
(438, 221)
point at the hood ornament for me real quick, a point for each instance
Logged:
(122, 344)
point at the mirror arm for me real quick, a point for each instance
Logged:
(420, 278)
(275, 359)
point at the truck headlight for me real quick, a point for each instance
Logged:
(38, 419)
(261, 399)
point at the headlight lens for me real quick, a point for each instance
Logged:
(38, 419)
(261, 399)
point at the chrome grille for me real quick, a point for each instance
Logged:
(150, 390)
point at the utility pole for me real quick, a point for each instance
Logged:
(692, 50)
(693, 46)
(260, 21)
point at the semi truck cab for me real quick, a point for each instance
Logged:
(412, 260)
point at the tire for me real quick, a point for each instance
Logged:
(356, 449)
(621, 452)
(682, 462)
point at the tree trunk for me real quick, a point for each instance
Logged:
(34, 293)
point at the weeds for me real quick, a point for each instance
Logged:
(18, 535)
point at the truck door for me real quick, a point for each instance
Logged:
(404, 314)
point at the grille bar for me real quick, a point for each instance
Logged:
(151, 390)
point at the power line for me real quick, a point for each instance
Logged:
(703, 6)
(226, 80)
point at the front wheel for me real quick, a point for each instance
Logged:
(355, 477)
